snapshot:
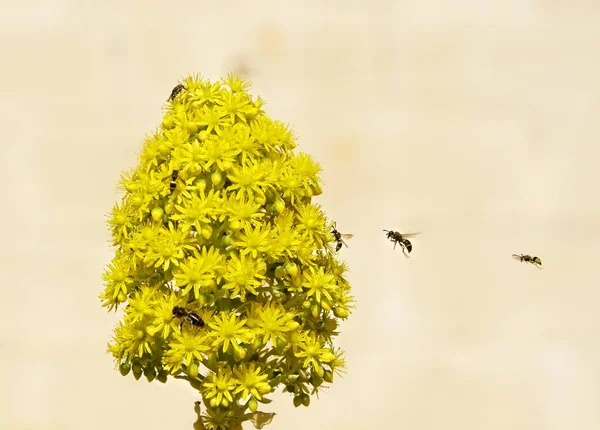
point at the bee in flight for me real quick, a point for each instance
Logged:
(190, 317)
(173, 183)
(536, 261)
(400, 239)
(339, 238)
(179, 88)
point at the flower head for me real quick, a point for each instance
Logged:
(222, 260)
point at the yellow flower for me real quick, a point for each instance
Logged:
(198, 209)
(319, 283)
(141, 304)
(217, 151)
(169, 247)
(185, 348)
(222, 260)
(313, 352)
(201, 270)
(229, 330)
(163, 320)
(273, 321)
(243, 276)
(248, 180)
(254, 240)
(251, 381)
(133, 339)
(218, 387)
(236, 105)
(214, 118)
(118, 277)
(236, 84)
(247, 213)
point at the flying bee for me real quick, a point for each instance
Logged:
(400, 239)
(173, 183)
(191, 317)
(339, 238)
(536, 261)
(179, 88)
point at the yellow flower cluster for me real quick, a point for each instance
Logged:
(225, 267)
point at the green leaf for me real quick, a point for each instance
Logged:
(198, 425)
(261, 419)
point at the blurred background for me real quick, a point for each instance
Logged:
(472, 122)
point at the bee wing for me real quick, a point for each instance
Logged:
(347, 236)
(516, 257)
(409, 234)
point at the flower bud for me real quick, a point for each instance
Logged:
(292, 325)
(124, 368)
(192, 370)
(227, 165)
(292, 269)
(203, 135)
(253, 404)
(201, 184)
(319, 371)
(239, 353)
(316, 381)
(191, 127)
(328, 376)
(162, 376)
(150, 373)
(163, 149)
(279, 206)
(157, 214)
(260, 199)
(137, 370)
(327, 357)
(136, 200)
(227, 240)
(261, 267)
(340, 312)
(279, 272)
(297, 401)
(315, 310)
(217, 179)
(208, 283)
(207, 232)
(257, 343)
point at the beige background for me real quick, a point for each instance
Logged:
(472, 121)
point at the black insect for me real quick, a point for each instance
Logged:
(173, 183)
(178, 89)
(191, 317)
(400, 239)
(339, 238)
(536, 261)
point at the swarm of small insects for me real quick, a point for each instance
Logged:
(225, 268)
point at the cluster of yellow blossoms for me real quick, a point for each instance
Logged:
(217, 221)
